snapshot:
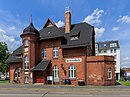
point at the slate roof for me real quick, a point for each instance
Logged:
(50, 32)
(16, 56)
(84, 32)
(41, 66)
(30, 30)
(106, 45)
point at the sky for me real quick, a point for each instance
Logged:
(111, 19)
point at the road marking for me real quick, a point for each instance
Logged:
(68, 95)
(125, 95)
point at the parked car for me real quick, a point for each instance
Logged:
(127, 78)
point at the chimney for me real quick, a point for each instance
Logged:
(67, 20)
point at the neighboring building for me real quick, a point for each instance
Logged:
(57, 55)
(127, 71)
(0, 74)
(110, 48)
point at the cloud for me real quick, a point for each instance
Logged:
(99, 32)
(10, 40)
(115, 28)
(126, 58)
(12, 28)
(60, 23)
(125, 62)
(124, 19)
(94, 18)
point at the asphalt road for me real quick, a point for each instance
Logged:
(57, 91)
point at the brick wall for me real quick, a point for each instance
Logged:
(97, 67)
(12, 69)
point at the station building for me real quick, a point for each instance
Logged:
(56, 55)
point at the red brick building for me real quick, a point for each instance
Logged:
(57, 55)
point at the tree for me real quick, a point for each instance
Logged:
(3, 57)
(122, 72)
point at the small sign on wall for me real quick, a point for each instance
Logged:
(49, 77)
(73, 60)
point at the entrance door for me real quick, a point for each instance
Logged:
(40, 78)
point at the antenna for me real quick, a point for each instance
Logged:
(30, 16)
(67, 9)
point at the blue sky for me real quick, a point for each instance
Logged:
(111, 19)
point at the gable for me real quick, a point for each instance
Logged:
(48, 23)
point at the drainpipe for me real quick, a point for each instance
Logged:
(85, 66)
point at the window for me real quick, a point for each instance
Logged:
(25, 42)
(113, 44)
(104, 44)
(55, 52)
(44, 53)
(26, 62)
(74, 38)
(109, 73)
(114, 50)
(111, 51)
(17, 73)
(26, 79)
(55, 72)
(72, 71)
(105, 51)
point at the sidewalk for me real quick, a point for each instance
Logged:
(54, 86)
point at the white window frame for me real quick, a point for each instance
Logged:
(55, 72)
(18, 73)
(72, 71)
(44, 53)
(55, 52)
(26, 62)
(109, 74)
(25, 42)
(26, 79)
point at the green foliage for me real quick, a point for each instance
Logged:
(122, 72)
(125, 83)
(4, 81)
(3, 57)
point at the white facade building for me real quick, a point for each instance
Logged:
(110, 48)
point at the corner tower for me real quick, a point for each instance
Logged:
(30, 39)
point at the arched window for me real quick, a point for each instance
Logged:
(17, 74)
(109, 73)
(72, 71)
(55, 72)
(26, 65)
(25, 42)
(44, 53)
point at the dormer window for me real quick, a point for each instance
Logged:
(75, 35)
(74, 38)
(25, 42)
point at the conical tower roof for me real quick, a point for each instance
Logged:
(30, 30)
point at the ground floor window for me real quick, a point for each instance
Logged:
(55, 74)
(109, 73)
(17, 74)
(26, 80)
(72, 71)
